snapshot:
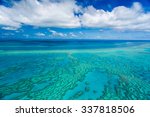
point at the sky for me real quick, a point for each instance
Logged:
(75, 19)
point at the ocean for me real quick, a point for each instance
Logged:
(74, 70)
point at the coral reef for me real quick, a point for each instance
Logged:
(95, 74)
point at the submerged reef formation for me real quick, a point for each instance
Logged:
(76, 75)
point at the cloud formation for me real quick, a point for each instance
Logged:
(9, 28)
(62, 14)
(121, 17)
(60, 34)
(57, 34)
(42, 13)
(39, 34)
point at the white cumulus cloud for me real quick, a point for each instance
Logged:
(40, 34)
(72, 34)
(61, 13)
(42, 13)
(9, 28)
(121, 17)
(57, 34)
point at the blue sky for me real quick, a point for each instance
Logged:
(75, 19)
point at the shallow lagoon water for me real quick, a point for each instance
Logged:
(75, 70)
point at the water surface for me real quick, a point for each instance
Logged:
(74, 70)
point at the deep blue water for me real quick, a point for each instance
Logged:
(67, 44)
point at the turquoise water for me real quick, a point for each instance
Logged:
(74, 70)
